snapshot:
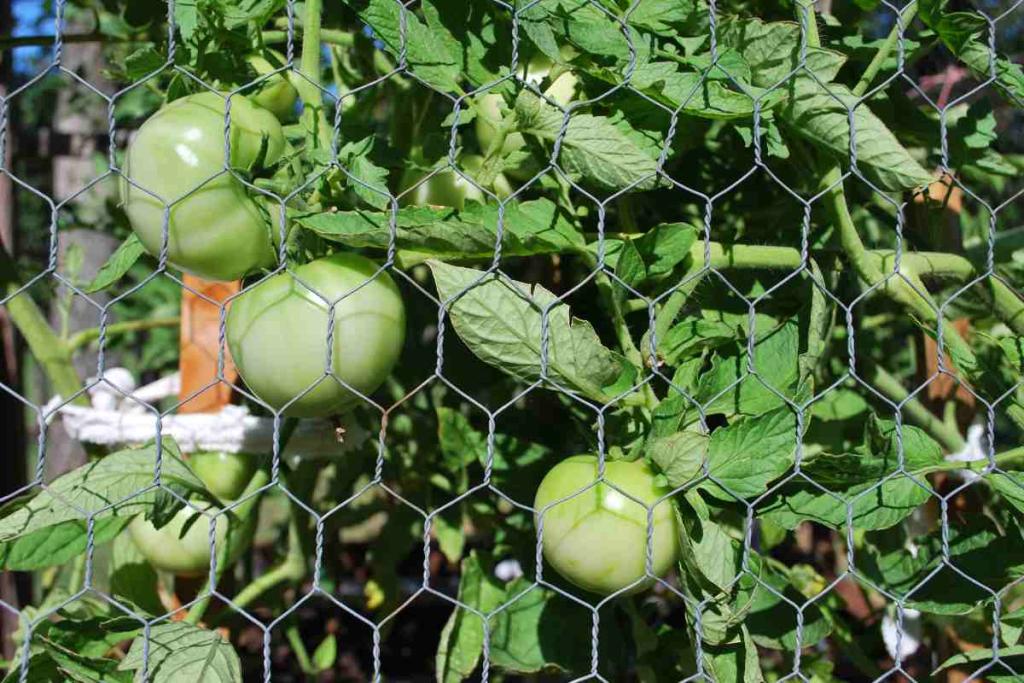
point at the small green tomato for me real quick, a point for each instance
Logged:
(277, 333)
(448, 188)
(276, 94)
(189, 555)
(224, 474)
(598, 539)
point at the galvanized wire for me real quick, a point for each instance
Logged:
(806, 273)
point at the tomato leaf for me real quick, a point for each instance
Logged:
(500, 320)
(426, 51)
(119, 263)
(605, 151)
(179, 651)
(462, 639)
(747, 455)
(51, 526)
(730, 389)
(534, 227)
(867, 481)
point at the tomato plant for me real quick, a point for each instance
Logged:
(763, 257)
(277, 332)
(214, 228)
(595, 532)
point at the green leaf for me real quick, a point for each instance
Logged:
(462, 639)
(773, 621)
(773, 50)
(602, 150)
(119, 263)
(541, 630)
(1006, 670)
(966, 34)
(326, 653)
(143, 62)
(664, 17)
(1010, 485)
(679, 456)
(534, 227)
(500, 321)
(50, 527)
(749, 454)
(696, 95)
(707, 550)
(691, 336)
(132, 576)
(450, 537)
(735, 662)
(186, 17)
(367, 179)
(427, 53)
(776, 360)
(179, 651)
(992, 558)
(655, 254)
(867, 480)
(822, 116)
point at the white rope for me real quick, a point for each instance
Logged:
(119, 417)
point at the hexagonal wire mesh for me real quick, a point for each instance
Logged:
(729, 506)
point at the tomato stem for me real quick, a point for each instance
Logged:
(872, 69)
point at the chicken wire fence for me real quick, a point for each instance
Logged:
(109, 409)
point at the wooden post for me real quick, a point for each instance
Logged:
(200, 346)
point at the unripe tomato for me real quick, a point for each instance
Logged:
(448, 188)
(277, 333)
(215, 228)
(225, 475)
(491, 106)
(276, 94)
(189, 555)
(598, 539)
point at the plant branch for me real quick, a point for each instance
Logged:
(242, 516)
(93, 333)
(308, 83)
(884, 50)
(915, 411)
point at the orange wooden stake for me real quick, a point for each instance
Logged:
(200, 346)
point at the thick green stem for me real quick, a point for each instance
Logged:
(292, 568)
(241, 517)
(299, 649)
(51, 352)
(87, 336)
(914, 410)
(318, 132)
(885, 49)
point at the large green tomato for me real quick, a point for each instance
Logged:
(225, 474)
(189, 555)
(277, 333)
(598, 539)
(215, 228)
(448, 188)
(276, 94)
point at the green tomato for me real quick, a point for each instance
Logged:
(225, 475)
(598, 539)
(277, 333)
(491, 110)
(276, 94)
(215, 230)
(189, 555)
(448, 188)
